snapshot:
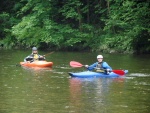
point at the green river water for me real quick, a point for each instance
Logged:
(24, 90)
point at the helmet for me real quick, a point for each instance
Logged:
(99, 56)
(34, 49)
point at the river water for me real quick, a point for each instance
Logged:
(24, 90)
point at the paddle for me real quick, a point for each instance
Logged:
(48, 53)
(77, 64)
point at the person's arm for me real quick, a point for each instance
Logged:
(91, 67)
(42, 57)
(28, 58)
(25, 59)
(106, 66)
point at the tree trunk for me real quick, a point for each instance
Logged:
(80, 18)
(108, 7)
(88, 13)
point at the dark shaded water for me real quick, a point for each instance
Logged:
(52, 90)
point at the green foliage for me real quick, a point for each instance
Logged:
(118, 25)
(6, 39)
(4, 19)
(69, 9)
(126, 23)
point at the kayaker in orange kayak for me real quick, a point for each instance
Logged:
(34, 56)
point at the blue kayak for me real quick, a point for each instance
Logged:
(87, 74)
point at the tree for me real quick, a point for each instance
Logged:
(99, 25)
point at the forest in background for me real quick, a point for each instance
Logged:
(76, 25)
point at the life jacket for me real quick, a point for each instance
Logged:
(99, 67)
(35, 57)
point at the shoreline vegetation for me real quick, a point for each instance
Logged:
(108, 26)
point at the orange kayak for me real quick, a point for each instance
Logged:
(41, 64)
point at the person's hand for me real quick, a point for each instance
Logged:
(108, 70)
(86, 66)
(41, 56)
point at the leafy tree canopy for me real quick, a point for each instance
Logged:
(105, 25)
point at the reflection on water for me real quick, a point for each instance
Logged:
(91, 94)
(37, 70)
(52, 90)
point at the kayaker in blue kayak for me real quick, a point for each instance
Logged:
(34, 56)
(100, 66)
